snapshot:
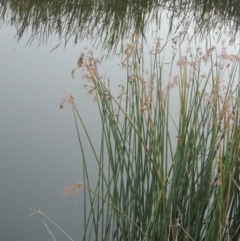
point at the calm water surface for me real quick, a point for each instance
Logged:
(40, 154)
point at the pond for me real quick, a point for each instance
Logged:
(41, 43)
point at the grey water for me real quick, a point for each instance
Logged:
(40, 155)
(39, 149)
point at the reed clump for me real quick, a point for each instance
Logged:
(169, 162)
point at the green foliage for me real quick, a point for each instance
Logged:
(169, 159)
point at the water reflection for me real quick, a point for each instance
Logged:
(107, 22)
